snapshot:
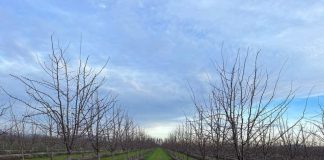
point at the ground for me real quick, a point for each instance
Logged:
(159, 154)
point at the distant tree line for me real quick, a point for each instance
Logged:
(243, 118)
(67, 111)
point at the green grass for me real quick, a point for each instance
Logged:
(125, 155)
(149, 154)
(158, 154)
(182, 156)
(61, 157)
(118, 156)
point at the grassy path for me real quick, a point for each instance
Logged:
(159, 154)
(181, 156)
(126, 156)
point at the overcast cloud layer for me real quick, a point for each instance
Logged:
(156, 47)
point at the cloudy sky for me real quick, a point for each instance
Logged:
(158, 47)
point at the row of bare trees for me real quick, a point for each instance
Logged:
(244, 118)
(68, 110)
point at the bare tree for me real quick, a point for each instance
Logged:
(240, 119)
(3, 109)
(50, 137)
(127, 133)
(200, 132)
(113, 129)
(64, 95)
(246, 100)
(99, 108)
(319, 122)
(19, 129)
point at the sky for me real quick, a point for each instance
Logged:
(158, 47)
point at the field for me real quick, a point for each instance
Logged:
(158, 154)
(181, 156)
(148, 154)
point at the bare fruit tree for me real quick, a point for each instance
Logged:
(64, 95)
(18, 127)
(242, 114)
(99, 108)
(113, 130)
(246, 99)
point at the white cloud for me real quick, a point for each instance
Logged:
(17, 66)
(160, 129)
(148, 83)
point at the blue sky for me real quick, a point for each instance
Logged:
(156, 47)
